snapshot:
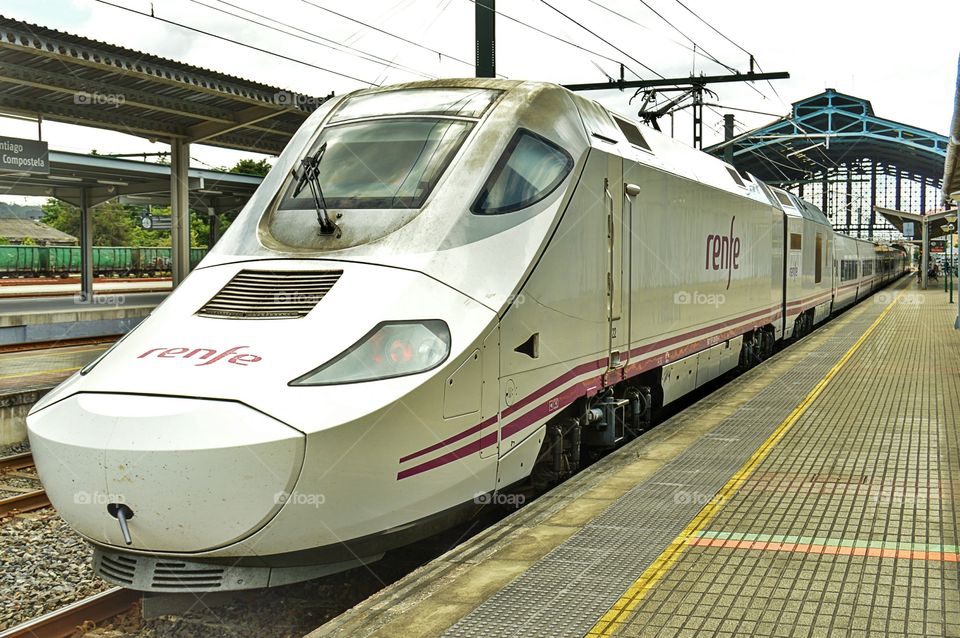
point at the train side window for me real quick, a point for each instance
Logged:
(531, 168)
(848, 269)
(796, 241)
(818, 268)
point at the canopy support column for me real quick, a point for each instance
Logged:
(86, 247)
(180, 209)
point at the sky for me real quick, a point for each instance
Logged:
(901, 61)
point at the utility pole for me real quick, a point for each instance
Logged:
(486, 42)
(727, 136)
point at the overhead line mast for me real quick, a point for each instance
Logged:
(693, 86)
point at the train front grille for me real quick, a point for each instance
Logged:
(162, 574)
(274, 294)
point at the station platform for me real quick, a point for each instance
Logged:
(20, 288)
(26, 376)
(40, 319)
(815, 495)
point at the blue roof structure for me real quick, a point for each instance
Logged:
(830, 129)
(834, 151)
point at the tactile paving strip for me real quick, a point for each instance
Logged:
(566, 591)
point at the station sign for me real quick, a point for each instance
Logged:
(155, 222)
(24, 156)
(908, 230)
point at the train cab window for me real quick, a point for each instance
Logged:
(455, 102)
(392, 163)
(632, 133)
(531, 168)
(796, 241)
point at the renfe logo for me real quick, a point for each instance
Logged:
(209, 355)
(723, 252)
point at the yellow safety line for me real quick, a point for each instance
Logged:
(622, 609)
(49, 352)
(33, 374)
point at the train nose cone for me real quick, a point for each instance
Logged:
(198, 473)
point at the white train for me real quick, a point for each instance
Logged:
(442, 291)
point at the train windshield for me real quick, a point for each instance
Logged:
(384, 163)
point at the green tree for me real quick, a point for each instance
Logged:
(251, 167)
(113, 223)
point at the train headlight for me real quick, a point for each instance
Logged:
(391, 349)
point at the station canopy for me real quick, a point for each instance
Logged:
(47, 74)
(103, 178)
(67, 78)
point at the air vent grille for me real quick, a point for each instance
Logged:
(183, 576)
(262, 294)
(118, 568)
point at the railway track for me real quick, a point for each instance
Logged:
(25, 499)
(74, 618)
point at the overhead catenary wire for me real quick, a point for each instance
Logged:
(313, 37)
(388, 33)
(601, 38)
(559, 39)
(724, 36)
(237, 42)
(696, 48)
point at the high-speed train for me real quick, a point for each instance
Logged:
(442, 292)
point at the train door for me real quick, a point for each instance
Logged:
(618, 249)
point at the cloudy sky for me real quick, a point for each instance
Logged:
(900, 60)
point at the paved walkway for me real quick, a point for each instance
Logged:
(848, 523)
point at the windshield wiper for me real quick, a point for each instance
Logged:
(310, 176)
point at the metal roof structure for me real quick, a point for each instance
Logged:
(835, 151)
(105, 178)
(936, 221)
(951, 168)
(53, 75)
(829, 129)
(17, 230)
(67, 78)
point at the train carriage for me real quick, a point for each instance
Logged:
(442, 290)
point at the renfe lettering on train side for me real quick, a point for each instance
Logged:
(204, 356)
(723, 252)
